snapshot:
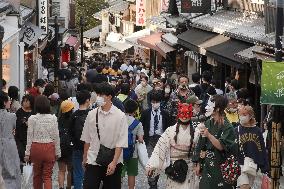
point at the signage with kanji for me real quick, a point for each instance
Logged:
(140, 12)
(272, 83)
(42, 15)
(195, 6)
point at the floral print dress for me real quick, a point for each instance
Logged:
(211, 176)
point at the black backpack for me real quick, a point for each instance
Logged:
(65, 138)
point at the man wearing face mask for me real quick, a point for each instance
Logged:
(232, 109)
(105, 130)
(142, 91)
(158, 85)
(155, 121)
(38, 88)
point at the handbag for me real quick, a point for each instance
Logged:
(105, 155)
(265, 183)
(142, 154)
(249, 166)
(177, 171)
(27, 175)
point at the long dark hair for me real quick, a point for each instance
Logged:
(3, 99)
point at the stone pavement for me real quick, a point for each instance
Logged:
(141, 181)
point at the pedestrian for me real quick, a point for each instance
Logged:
(105, 135)
(38, 88)
(179, 96)
(4, 85)
(43, 143)
(100, 77)
(91, 73)
(9, 160)
(217, 136)
(77, 124)
(135, 130)
(23, 115)
(232, 110)
(251, 148)
(64, 126)
(176, 143)
(142, 91)
(13, 93)
(155, 121)
(195, 77)
(126, 66)
(48, 90)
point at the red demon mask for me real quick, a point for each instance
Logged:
(184, 111)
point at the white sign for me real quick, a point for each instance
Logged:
(105, 22)
(140, 12)
(42, 15)
(164, 5)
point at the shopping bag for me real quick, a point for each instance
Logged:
(142, 154)
(27, 175)
(265, 184)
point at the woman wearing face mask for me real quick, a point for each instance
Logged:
(175, 143)
(217, 138)
(251, 146)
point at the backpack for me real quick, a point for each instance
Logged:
(79, 121)
(65, 139)
(128, 152)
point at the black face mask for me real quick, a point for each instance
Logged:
(184, 123)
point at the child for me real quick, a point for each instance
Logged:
(136, 128)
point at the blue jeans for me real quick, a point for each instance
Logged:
(78, 171)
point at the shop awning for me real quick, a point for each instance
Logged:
(170, 39)
(225, 52)
(194, 38)
(30, 33)
(151, 41)
(132, 39)
(164, 48)
(91, 53)
(93, 33)
(119, 46)
(106, 50)
(9, 32)
(73, 41)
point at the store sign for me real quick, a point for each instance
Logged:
(42, 15)
(140, 12)
(195, 6)
(272, 83)
(105, 22)
(164, 5)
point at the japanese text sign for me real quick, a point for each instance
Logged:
(140, 12)
(272, 83)
(42, 15)
(195, 6)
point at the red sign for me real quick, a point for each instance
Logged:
(140, 12)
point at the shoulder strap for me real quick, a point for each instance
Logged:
(133, 125)
(97, 123)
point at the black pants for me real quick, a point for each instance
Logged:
(152, 181)
(95, 174)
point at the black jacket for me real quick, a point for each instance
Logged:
(146, 121)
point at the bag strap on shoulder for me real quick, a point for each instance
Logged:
(97, 123)
(133, 125)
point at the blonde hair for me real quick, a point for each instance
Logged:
(250, 111)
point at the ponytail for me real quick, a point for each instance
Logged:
(177, 131)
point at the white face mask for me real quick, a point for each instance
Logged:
(143, 83)
(163, 75)
(244, 120)
(156, 106)
(167, 90)
(100, 101)
(209, 108)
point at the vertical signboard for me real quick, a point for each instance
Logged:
(195, 6)
(164, 5)
(42, 15)
(272, 83)
(140, 12)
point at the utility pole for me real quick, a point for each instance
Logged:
(81, 39)
(1, 41)
(56, 55)
(276, 121)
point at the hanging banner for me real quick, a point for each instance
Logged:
(195, 6)
(272, 83)
(105, 22)
(140, 12)
(42, 15)
(165, 5)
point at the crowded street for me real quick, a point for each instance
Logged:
(141, 94)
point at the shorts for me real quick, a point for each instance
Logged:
(245, 178)
(131, 167)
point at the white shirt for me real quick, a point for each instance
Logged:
(113, 129)
(43, 128)
(159, 131)
(125, 67)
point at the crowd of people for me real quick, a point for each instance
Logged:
(90, 127)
